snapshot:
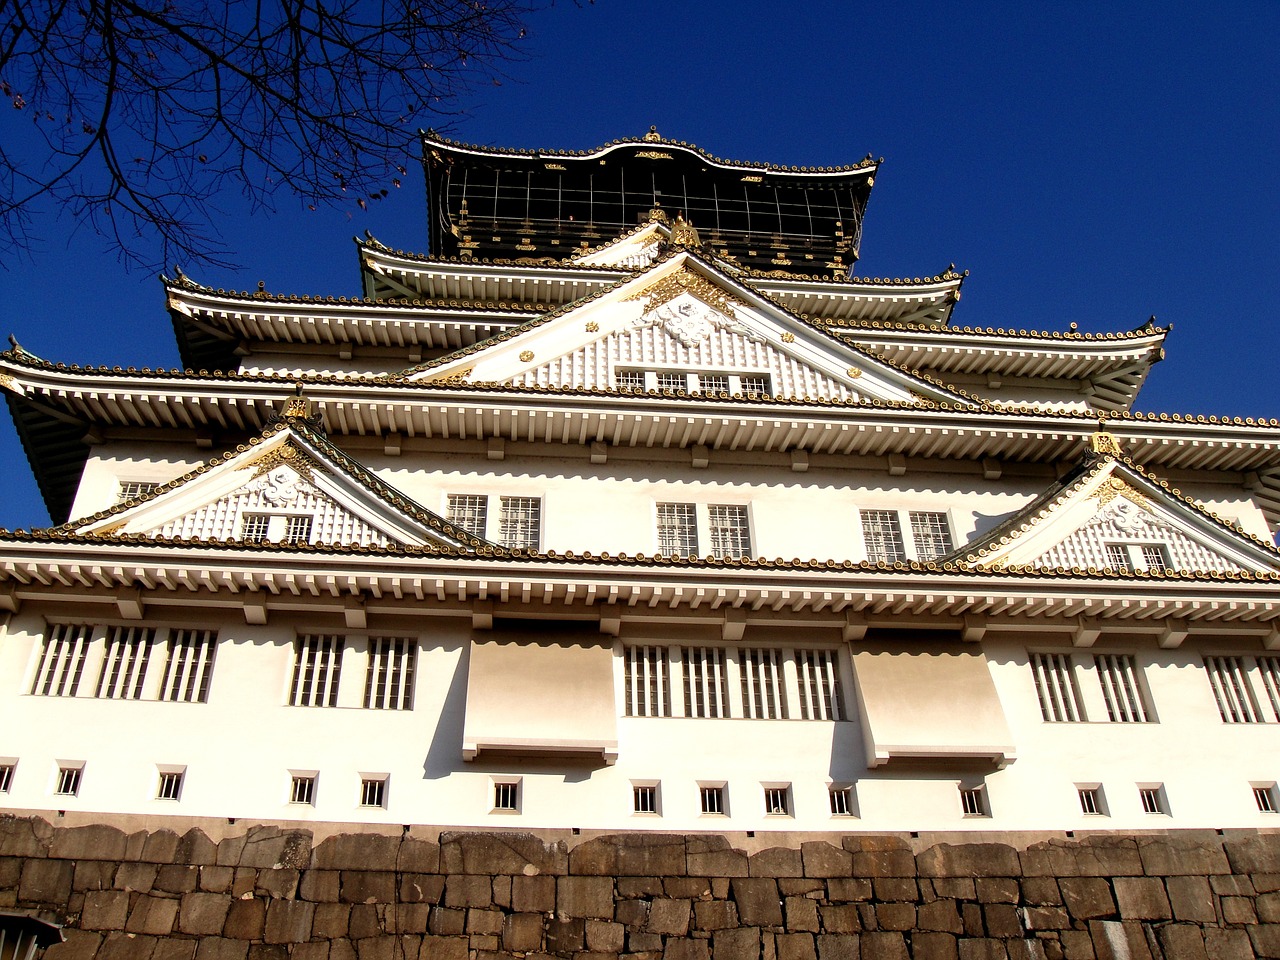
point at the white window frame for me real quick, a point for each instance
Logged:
(1135, 556)
(706, 533)
(1092, 800)
(1153, 800)
(278, 527)
(646, 680)
(507, 794)
(646, 793)
(307, 793)
(1265, 796)
(841, 800)
(122, 674)
(716, 791)
(778, 800)
(390, 673)
(8, 766)
(170, 782)
(68, 777)
(1123, 688)
(127, 490)
(374, 786)
(974, 801)
(496, 521)
(691, 380)
(316, 676)
(1057, 686)
(121, 662)
(903, 522)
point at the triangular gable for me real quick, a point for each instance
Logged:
(633, 250)
(1111, 516)
(683, 315)
(288, 486)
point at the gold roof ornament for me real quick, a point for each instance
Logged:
(1105, 443)
(684, 233)
(653, 136)
(658, 215)
(298, 407)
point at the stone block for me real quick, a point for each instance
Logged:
(1120, 940)
(687, 888)
(982, 948)
(88, 874)
(712, 856)
(357, 851)
(757, 900)
(203, 914)
(139, 877)
(679, 948)
(795, 946)
(521, 932)
(940, 916)
(821, 859)
(468, 890)
(245, 919)
(1001, 920)
(78, 945)
(604, 936)
(1238, 910)
(879, 856)
(153, 916)
(995, 889)
(176, 878)
(1265, 938)
(278, 883)
(933, 946)
(849, 889)
(408, 918)
(1087, 898)
(1142, 898)
(896, 916)
(342, 950)
(418, 856)
(883, 946)
(1046, 918)
(93, 842)
(221, 948)
(268, 951)
(421, 888)
(364, 922)
(565, 936)
(24, 836)
(442, 948)
(969, 860)
(484, 921)
(1268, 907)
(1182, 855)
(632, 887)
(515, 854)
(193, 847)
(895, 888)
(319, 886)
(332, 921)
(533, 894)
(840, 918)
(668, 917)
(376, 948)
(367, 886)
(801, 887)
(1228, 944)
(1182, 940)
(639, 943)
(715, 915)
(126, 946)
(1256, 853)
(801, 914)
(447, 922)
(638, 854)
(266, 847)
(585, 897)
(1232, 886)
(633, 913)
(776, 862)
(104, 910)
(1096, 856)
(958, 888)
(170, 949)
(46, 881)
(742, 943)
(214, 879)
(837, 946)
(318, 950)
(289, 921)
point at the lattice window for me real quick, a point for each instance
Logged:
(317, 670)
(1155, 557)
(188, 669)
(763, 696)
(388, 681)
(730, 533)
(777, 801)
(672, 381)
(1121, 689)
(124, 668)
(254, 526)
(1117, 557)
(62, 656)
(170, 786)
(297, 530)
(520, 522)
(648, 682)
(1057, 688)
(931, 534)
(469, 511)
(629, 379)
(677, 530)
(133, 489)
(1269, 668)
(713, 383)
(754, 384)
(819, 679)
(1231, 690)
(882, 534)
(706, 686)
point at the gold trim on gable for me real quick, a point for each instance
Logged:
(686, 281)
(1114, 487)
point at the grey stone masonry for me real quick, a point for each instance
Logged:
(205, 891)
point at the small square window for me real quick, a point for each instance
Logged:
(373, 791)
(644, 798)
(302, 789)
(170, 787)
(973, 802)
(777, 801)
(629, 379)
(841, 801)
(297, 530)
(6, 775)
(1152, 798)
(713, 799)
(68, 782)
(672, 381)
(754, 384)
(506, 796)
(253, 527)
(1264, 795)
(713, 383)
(1090, 800)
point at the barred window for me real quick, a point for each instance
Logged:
(388, 681)
(170, 787)
(373, 791)
(1152, 799)
(68, 782)
(713, 383)
(755, 384)
(706, 686)
(931, 533)
(629, 379)
(133, 489)
(1231, 690)
(1121, 689)
(763, 697)
(188, 669)
(672, 381)
(317, 669)
(841, 799)
(820, 693)
(777, 801)
(1155, 557)
(1117, 557)
(1265, 798)
(973, 802)
(648, 682)
(253, 527)
(1090, 801)
(713, 799)
(1056, 688)
(677, 530)
(730, 534)
(506, 795)
(62, 655)
(1269, 667)
(520, 522)
(302, 789)
(297, 530)
(469, 511)
(6, 776)
(882, 533)
(124, 668)
(644, 798)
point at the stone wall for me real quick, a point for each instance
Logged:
(236, 892)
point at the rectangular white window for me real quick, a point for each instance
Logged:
(973, 802)
(1090, 801)
(713, 383)
(6, 776)
(882, 534)
(68, 780)
(931, 533)
(777, 801)
(1127, 557)
(1269, 668)
(706, 685)
(1117, 557)
(188, 668)
(763, 697)
(133, 489)
(1152, 799)
(713, 799)
(469, 511)
(754, 384)
(1056, 688)
(1155, 557)
(677, 530)
(1231, 690)
(302, 789)
(170, 787)
(253, 527)
(124, 668)
(841, 799)
(1120, 689)
(297, 530)
(647, 682)
(730, 535)
(629, 379)
(1264, 795)
(317, 669)
(61, 660)
(373, 791)
(672, 381)
(819, 678)
(388, 681)
(644, 798)
(520, 522)
(506, 796)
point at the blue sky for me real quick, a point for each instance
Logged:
(1088, 163)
